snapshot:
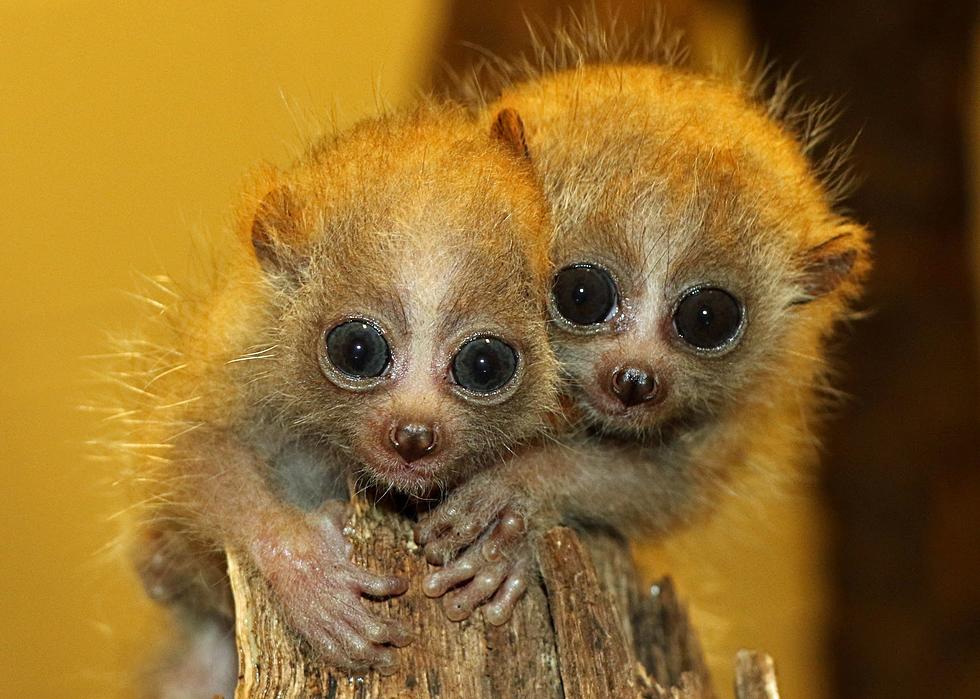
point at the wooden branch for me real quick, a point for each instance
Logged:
(755, 676)
(585, 630)
(594, 659)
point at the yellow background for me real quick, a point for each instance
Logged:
(125, 129)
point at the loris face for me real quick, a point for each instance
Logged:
(412, 336)
(687, 291)
(696, 253)
(431, 369)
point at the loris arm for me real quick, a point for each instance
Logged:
(304, 557)
(485, 530)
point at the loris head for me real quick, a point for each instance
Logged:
(406, 263)
(698, 262)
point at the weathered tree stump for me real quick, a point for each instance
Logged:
(585, 630)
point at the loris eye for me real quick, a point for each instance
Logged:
(708, 318)
(484, 365)
(357, 349)
(584, 294)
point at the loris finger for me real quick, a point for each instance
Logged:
(438, 550)
(382, 631)
(386, 662)
(501, 607)
(459, 571)
(497, 545)
(460, 603)
(373, 585)
(358, 638)
(510, 529)
(447, 530)
(358, 651)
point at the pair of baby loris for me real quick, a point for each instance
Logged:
(591, 302)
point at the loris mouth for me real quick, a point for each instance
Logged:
(604, 415)
(416, 478)
(621, 422)
(598, 405)
(632, 428)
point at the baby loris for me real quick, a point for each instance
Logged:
(382, 321)
(700, 267)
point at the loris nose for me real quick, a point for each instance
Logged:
(634, 386)
(413, 440)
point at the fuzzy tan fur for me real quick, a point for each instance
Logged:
(421, 222)
(669, 180)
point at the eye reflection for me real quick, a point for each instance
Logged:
(584, 294)
(358, 350)
(708, 318)
(484, 364)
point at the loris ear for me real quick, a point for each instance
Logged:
(839, 263)
(273, 232)
(509, 130)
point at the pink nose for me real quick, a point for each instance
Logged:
(413, 440)
(634, 386)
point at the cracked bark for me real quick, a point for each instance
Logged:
(586, 629)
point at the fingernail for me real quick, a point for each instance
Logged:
(387, 670)
(431, 586)
(495, 615)
(434, 557)
(456, 612)
(491, 551)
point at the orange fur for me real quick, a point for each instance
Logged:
(641, 158)
(669, 180)
(243, 437)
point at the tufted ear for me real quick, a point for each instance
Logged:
(273, 231)
(508, 129)
(837, 263)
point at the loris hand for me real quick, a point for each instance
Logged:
(484, 548)
(320, 590)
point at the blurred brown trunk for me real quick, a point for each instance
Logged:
(903, 463)
(501, 27)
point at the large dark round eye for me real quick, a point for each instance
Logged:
(357, 349)
(708, 318)
(584, 294)
(484, 365)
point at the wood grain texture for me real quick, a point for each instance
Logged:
(595, 659)
(755, 676)
(445, 659)
(586, 629)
